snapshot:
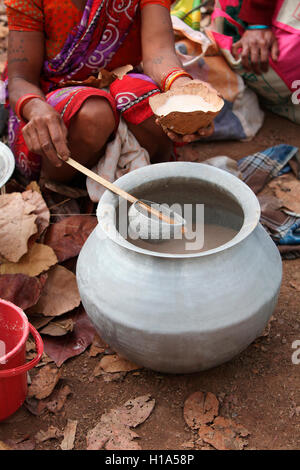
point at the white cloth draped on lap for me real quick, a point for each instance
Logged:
(122, 155)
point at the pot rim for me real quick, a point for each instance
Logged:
(243, 195)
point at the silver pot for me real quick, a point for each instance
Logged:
(186, 312)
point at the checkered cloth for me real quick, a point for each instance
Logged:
(257, 170)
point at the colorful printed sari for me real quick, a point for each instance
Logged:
(89, 47)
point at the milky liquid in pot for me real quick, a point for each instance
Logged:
(214, 236)
(223, 216)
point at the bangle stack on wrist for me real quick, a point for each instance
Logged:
(252, 27)
(171, 76)
(23, 100)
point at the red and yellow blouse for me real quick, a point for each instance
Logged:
(57, 18)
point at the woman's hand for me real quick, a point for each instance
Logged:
(45, 133)
(256, 47)
(204, 132)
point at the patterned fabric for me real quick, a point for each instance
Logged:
(57, 18)
(92, 44)
(132, 97)
(229, 28)
(129, 97)
(257, 170)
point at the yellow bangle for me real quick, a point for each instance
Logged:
(171, 79)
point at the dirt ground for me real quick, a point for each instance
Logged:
(259, 389)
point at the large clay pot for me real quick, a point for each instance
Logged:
(189, 312)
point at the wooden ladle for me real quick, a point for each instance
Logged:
(120, 192)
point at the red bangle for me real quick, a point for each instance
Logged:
(23, 100)
(165, 78)
(172, 76)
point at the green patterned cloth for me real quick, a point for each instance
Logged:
(189, 12)
(230, 29)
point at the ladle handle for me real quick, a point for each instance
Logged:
(115, 189)
(107, 184)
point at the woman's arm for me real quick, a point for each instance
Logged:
(45, 133)
(159, 55)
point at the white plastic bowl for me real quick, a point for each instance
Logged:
(7, 164)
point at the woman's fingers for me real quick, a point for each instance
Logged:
(264, 58)
(47, 137)
(172, 135)
(255, 59)
(245, 58)
(58, 134)
(32, 140)
(181, 138)
(275, 50)
(47, 145)
(207, 131)
(235, 49)
(33, 147)
(188, 138)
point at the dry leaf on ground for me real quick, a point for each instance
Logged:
(36, 407)
(287, 189)
(54, 403)
(69, 435)
(39, 321)
(58, 399)
(43, 362)
(200, 408)
(41, 210)
(74, 343)
(21, 290)
(38, 259)
(58, 327)
(51, 433)
(98, 346)
(17, 225)
(44, 382)
(120, 72)
(68, 236)
(112, 437)
(116, 363)
(224, 434)
(113, 431)
(60, 294)
(133, 413)
(30, 345)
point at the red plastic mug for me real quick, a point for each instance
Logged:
(14, 332)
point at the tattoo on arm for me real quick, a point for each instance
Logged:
(16, 52)
(158, 60)
(15, 60)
